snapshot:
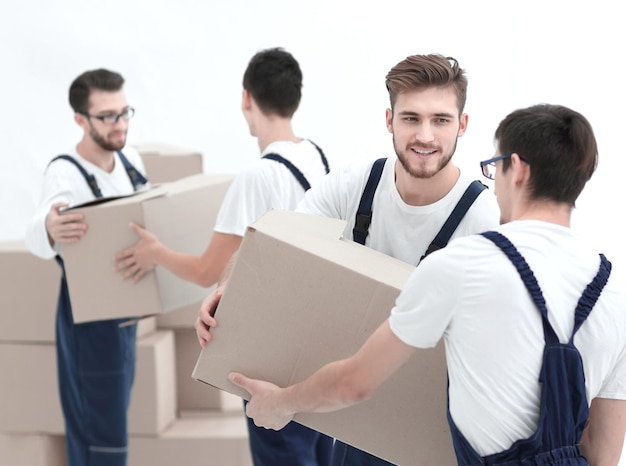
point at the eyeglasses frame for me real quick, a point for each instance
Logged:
(126, 115)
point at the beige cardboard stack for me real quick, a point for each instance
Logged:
(170, 420)
(27, 307)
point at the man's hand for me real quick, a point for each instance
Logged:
(205, 319)
(67, 228)
(264, 406)
(135, 262)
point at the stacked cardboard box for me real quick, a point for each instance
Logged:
(169, 423)
(166, 162)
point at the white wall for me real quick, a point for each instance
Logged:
(183, 62)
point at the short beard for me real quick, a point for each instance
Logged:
(422, 173)
(103, 143)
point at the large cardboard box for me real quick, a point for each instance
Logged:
(299, 297)
(165, 162)
(181, 214)
(29, 397)
(28, 301)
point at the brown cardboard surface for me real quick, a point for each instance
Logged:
(299, 297)
(191, 393)
(166, 163)
(32, 450)
(220, 440)
(153, 399)
(29, 295)
(29, 400)
(181, 214)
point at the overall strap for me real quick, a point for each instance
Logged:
(364, 212)
(459, 211)
(528, 277)
(324, 161)
(91, 180)
(292, 168)
(585, 303)
(592, 293)
(136, 178)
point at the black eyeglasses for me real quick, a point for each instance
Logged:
(113, 118)
(488, 167)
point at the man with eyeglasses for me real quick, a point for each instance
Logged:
(95, 360)
(532, 317)
(403, 205)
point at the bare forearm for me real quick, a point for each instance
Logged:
(331, 388)
(189, 267)
(603, 438)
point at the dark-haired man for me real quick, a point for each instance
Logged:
(288, 166)
(96, 360)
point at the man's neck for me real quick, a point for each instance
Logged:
(95, 154)
(558, 213)
(425, 191)
(273, 129)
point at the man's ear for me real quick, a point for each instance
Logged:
(389, 119)
(521, 169)
(81, 120)
(246, 100)
(463, 120)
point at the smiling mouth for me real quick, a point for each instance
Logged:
(423, 151)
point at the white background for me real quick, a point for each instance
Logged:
(183, 61)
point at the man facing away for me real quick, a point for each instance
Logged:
(96, 360)
(289, 165)
(417, 190)
(532, 318)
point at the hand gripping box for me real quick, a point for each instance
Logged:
(299, 297)
(181, 214)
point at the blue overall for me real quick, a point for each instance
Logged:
(564, 409)
(294, 444)
(96, 367)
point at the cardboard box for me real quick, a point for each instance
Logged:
(181, 214)
(220, 440)
(28, 301)
(153, 399)
(182, 318)
(300, 297)
(146, 326)
(169, 163)
(29, 397)
(191, 393)
(32, 450)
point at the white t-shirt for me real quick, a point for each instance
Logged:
(399, 230)
(471, 295)
(268, 184)
(63, 182)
